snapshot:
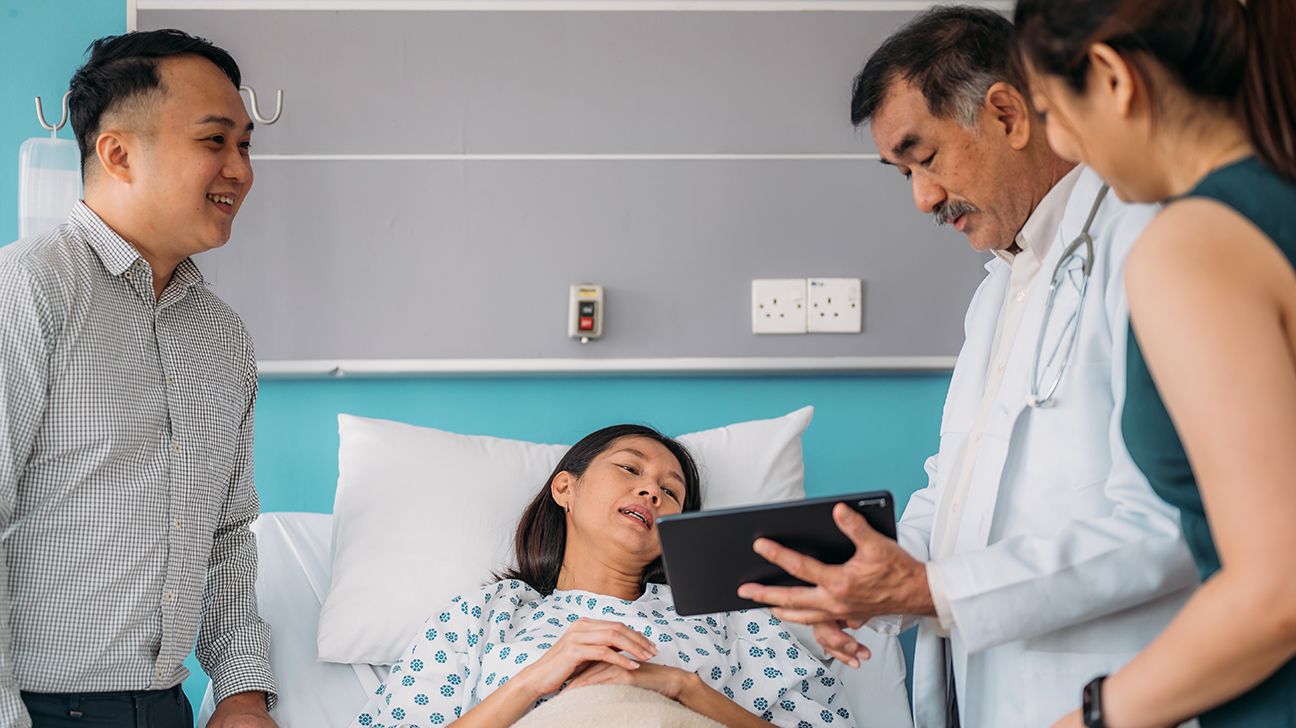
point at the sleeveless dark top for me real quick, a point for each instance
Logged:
(1269, 202)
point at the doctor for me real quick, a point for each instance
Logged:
(1037, 556)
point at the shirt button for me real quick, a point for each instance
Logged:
(176, 524)
(175, 446)
(158, 674)
(169, 597)
(170, 379)
(1021, 297)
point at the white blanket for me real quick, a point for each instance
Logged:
(599, 706)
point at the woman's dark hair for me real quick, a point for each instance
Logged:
(1220, 50)
(123, 68)
(541, 537)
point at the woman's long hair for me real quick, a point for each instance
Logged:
(541, 537)
(1219, 50)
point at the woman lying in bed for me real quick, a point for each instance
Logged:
(587, 605)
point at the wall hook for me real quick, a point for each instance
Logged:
(256, 110)
(63, 117)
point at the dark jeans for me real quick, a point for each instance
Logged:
(131, 709)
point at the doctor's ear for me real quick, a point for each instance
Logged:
(1010, 113)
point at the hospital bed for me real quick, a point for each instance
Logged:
(400, 508)
(293, 580)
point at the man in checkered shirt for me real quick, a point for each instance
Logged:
(126, 400)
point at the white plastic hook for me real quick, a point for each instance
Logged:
(63, 117)
(256, 110)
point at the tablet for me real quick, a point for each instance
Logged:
(708, 554)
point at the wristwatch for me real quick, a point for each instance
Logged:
(1091, 703)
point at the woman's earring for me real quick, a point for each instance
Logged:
(568, 508)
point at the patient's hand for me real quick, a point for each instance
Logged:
(669, 681)
(242, 710)
(588, 643)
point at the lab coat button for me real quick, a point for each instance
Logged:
(1021, 297)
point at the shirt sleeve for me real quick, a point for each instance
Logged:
(233, 640)
(25, 335)
(777, 678)
(913, 532)
(435, 680)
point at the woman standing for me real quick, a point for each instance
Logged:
(1193, 102)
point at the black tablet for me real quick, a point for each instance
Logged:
(708, 554)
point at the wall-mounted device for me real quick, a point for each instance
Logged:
(585, 312)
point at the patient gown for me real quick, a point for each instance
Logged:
(461, 655)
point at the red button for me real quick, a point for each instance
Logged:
(586, 323)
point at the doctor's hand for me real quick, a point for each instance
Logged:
(839, 644)
(881, 578)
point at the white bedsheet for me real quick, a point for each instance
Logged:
(293, 577)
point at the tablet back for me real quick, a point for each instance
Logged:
(708, 554)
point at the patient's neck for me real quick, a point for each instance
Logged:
(583, 570)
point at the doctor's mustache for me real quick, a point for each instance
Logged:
(948, 212)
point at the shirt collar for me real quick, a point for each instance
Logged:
(1041, 227)
(119, 256)
(116, 254)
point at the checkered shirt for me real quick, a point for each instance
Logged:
(125, 475)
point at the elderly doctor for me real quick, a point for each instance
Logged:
(1037, 555)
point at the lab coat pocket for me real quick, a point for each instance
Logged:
(1053, 681)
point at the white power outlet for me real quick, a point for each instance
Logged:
(836, 306)
(778, 306)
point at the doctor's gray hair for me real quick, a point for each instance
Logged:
(953, 54)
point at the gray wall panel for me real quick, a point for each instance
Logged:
(544, 82)
(432, 260)
(472, 259)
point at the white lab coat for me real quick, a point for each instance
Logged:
(1066, 563)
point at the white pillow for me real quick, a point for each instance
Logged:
(423, 514)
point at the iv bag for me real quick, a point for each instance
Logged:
(49, 184)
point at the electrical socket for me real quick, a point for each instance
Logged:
(835, 306)
(778, 306)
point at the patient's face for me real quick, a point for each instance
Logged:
(623, 492)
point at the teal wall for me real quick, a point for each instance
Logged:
(868, 431)
(41, 43)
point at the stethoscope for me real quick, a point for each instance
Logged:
(1040, 395)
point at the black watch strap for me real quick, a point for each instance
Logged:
(1091, 703)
